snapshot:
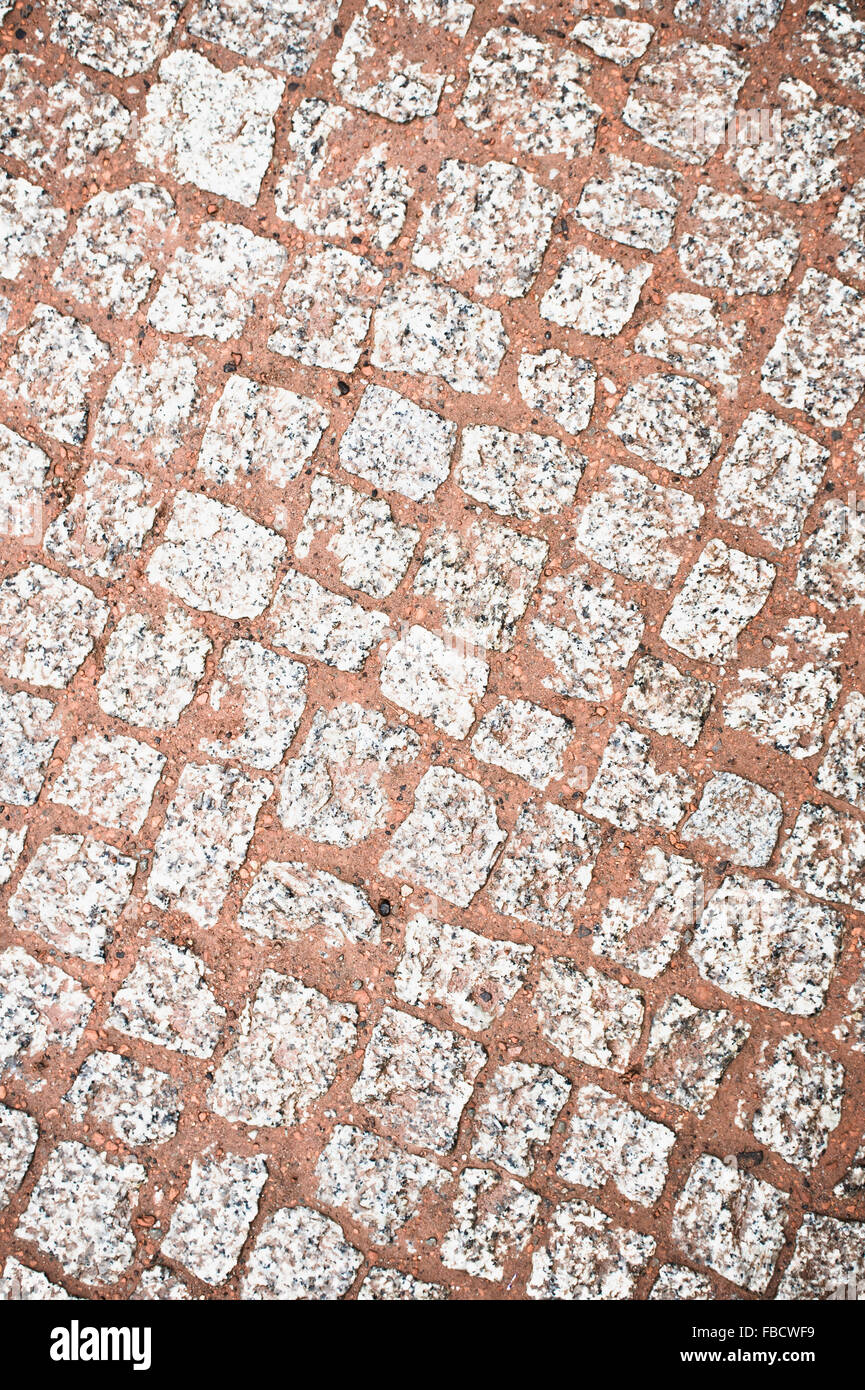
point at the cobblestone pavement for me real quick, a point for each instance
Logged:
(432, 703)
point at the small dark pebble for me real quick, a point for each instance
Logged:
(384, 908)
(750, 1158)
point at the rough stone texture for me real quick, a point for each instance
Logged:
(481, 580)
(524, 739)
(558, 386)
(817, 361)
(50, 370)
(23, 468)
(544, 872)
(11, 845)
(29, 729)
(849, 225)
(117, 37)
(723, 592)
(431, 677)
(852, 1027)
(493, 1220)
(645, 928)
(488, 227)
(676, 1283)
(266, 694)
(786, 699)
(19, 1283)
(609, 1141)
(832, 564)
(761, 942)
(319, 193)
(72, 893)
(28, 224)
(373, 1182)
(215, 558)
(421, 328)
(109, 780)
(791, 150)
(48, 624)
(396, 445)
(769, 479)
(390, 63)
(287, 38)
(730, 1221)
(828, 1259)
(211, 1221)
(594, 294)
(391, 1286)
(667, 701)
(520, 1104)
(588, 1257)
(326, 306)
(735, 246)
(257, 429)
(688, 1052)
(102, 530)
(211, 289)
(842, 771)
(473, 977)
(738, 817)
(532, 92)
(691, 336)
(149, 406)
(682, 97)
(799, 1090)
(288, 900)
(166, 1000)
(291, 1039)
(432, 727)
(620, 40)
(18, 1135)
(108, 258)
(210, 128)
(629, 790)
(203, 839)
(43, 1007)
(671, 421)
(151, 668)
(636, 528)
(587, 631)
(336, 790)
(635, 204)
(450, 838)
(57, 126)
(416, 1080)
(527, 476)
(373, 550)
(825, 854)
(80, 1212)
(138, 1104)
(300, 1254)
(309, 619)
(587, 1015)
(741, 19)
